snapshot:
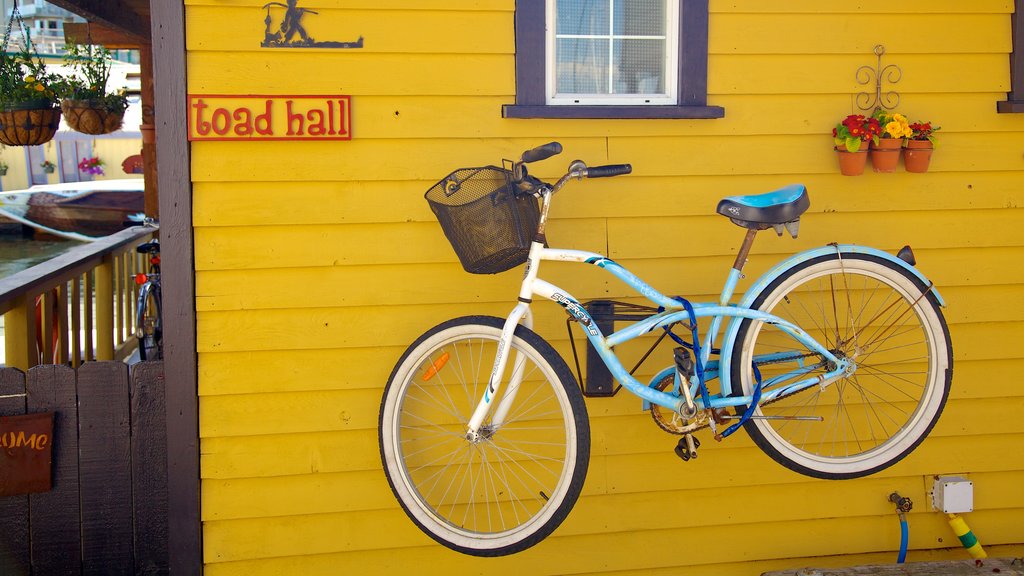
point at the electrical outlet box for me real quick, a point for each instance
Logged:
(953, 494)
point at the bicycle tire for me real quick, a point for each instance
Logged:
(522, 479)
(893, 329)
(149, 324)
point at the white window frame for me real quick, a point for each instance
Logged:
(670, 70)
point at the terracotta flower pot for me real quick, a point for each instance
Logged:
(28, 123)
(886, 154)
(918, 155)
(89, 117)
(852, 163)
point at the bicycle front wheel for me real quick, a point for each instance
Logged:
(888, 323)
(517, 482)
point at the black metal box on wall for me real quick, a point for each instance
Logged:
(599, 382)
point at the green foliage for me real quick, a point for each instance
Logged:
(23, 78)
(90, 67)
(924, 131)
(854, 130)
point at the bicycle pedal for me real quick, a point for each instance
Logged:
(687, 447)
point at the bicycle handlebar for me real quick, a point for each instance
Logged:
(609, 170)
(542, 152)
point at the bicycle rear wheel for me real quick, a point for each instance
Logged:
(513, 487)
(873, 312)
(149, 328)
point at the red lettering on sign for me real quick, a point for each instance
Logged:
(201, 126)
(259, 117)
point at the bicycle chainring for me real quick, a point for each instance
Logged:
(671, 421)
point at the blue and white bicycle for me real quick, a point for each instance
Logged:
(837, 362)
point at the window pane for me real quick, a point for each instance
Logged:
(640, 17)
(582, 66)
(639, 67)
(582, 17)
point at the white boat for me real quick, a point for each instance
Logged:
(83, 211)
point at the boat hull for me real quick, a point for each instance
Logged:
(80, 213)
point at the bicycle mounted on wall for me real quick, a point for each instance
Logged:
(837, 362)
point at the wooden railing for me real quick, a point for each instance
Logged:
(77, 307)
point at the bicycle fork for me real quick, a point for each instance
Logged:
(475, 430)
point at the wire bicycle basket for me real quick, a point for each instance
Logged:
(488, 224)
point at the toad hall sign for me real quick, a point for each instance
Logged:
(269, 117)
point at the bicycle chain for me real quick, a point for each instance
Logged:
(705, 416)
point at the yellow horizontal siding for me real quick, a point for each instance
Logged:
(490, 75)
(430, 284)
(954, 7)
(437, 31)
(421, 116)
(289, 203)
(626, 513)
(650, 156)
(484, 32)
(656, 478)
(319, 262)
(621, 238)
(562, 554)
(327, 410)
(274, 371)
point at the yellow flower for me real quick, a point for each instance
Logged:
(897, 128)
(30, 79)
(39, 87)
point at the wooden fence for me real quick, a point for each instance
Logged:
(106, 513)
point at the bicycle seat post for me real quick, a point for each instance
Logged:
(741, 256)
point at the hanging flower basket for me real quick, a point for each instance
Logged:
(91, 116)
(28, 112)
(28, 123)
(87, 105)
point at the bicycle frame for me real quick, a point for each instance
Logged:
(672, 311)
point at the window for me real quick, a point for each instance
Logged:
(1015, 98)
(71, 153)
(611, 59)
(611, 52)
(35, 155)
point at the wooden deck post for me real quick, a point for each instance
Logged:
(20, 335)
(105, 310)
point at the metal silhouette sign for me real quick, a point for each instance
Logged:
(291, 33)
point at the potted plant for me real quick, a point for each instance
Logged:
(850, 136)
(47, 166)
(885, 150)
(87, 105)
(91, 165)
(28, 112)
(920, 146)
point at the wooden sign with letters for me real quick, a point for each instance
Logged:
(268, 117)
(26, 452)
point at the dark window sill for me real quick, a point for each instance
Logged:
(1010, 107)
(611, 112)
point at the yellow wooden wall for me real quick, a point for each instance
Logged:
(318, 262)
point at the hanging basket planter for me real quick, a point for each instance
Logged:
(91, 117)
(28, 123)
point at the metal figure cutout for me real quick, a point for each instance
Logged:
(291, 25)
